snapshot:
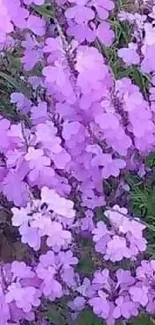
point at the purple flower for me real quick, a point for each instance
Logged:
(4, 139)
(37, 161)
(36, 2)
(81, 32)
(30, 236)
(57, 203)
(105, 34)
(77, 304)
(124, 278)
(20, 194)
(39, 113)
(20, 216)
(80, 14)
(58, 237)
(21, 270)
(129, 55)
(21, 102)
(139, 294)
(100, 305)
(103, 7)
(125, 308)
(25, 298)
(36, 25)
(67, 259)
(31, 58)
(100, 231)
(117, 249)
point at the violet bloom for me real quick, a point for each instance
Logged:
(111, 299)
(117, 249)
(129, 54)
(80, 14)
(4, 139)
(50, 286)
(25, 298)
(105, 33)
(77, 304)
(21, 102)
(81, 32)
(125, 308)
(20, 194)
(100, 305)
(58, 237)
(31, 58)
(37, 162)
(17, 13)
(139, 294)
(36, 2)
(57, 203)
(39, 113)
(36, 25)
(123, 240)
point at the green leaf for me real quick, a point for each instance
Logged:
(54, 315)
(140, 79)
(86, 266)
(15, 62)
(87, 317)
(150, 160)
(143, 320)
(43, 11)
(18, 85)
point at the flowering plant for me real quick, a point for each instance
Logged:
(77, 123)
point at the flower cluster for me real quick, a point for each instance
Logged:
(123, 295)
(51, 217)
(141, 51)
(22, 286)
(124, 239)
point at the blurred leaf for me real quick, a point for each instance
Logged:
(44, 11)
(55, 316)
(85, 265)
(122, 32)
(142, 320)
(125, 5)
(150, 160)
(141, 80)
(18, 85)
(87, 317)
(15, 62)
(21, 252)
(6, 249)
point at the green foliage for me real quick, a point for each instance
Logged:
(18, 85)
(143, 320)
(54, 315)
(45, 11)
(57, 316)
(124, 5)
(58, 313)
(139, 195)
(87, 317)
(150, 160)
(86, 263)
(142, 205)
(141, 80)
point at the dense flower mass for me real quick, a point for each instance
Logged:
(77, 130)
(124, 239)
